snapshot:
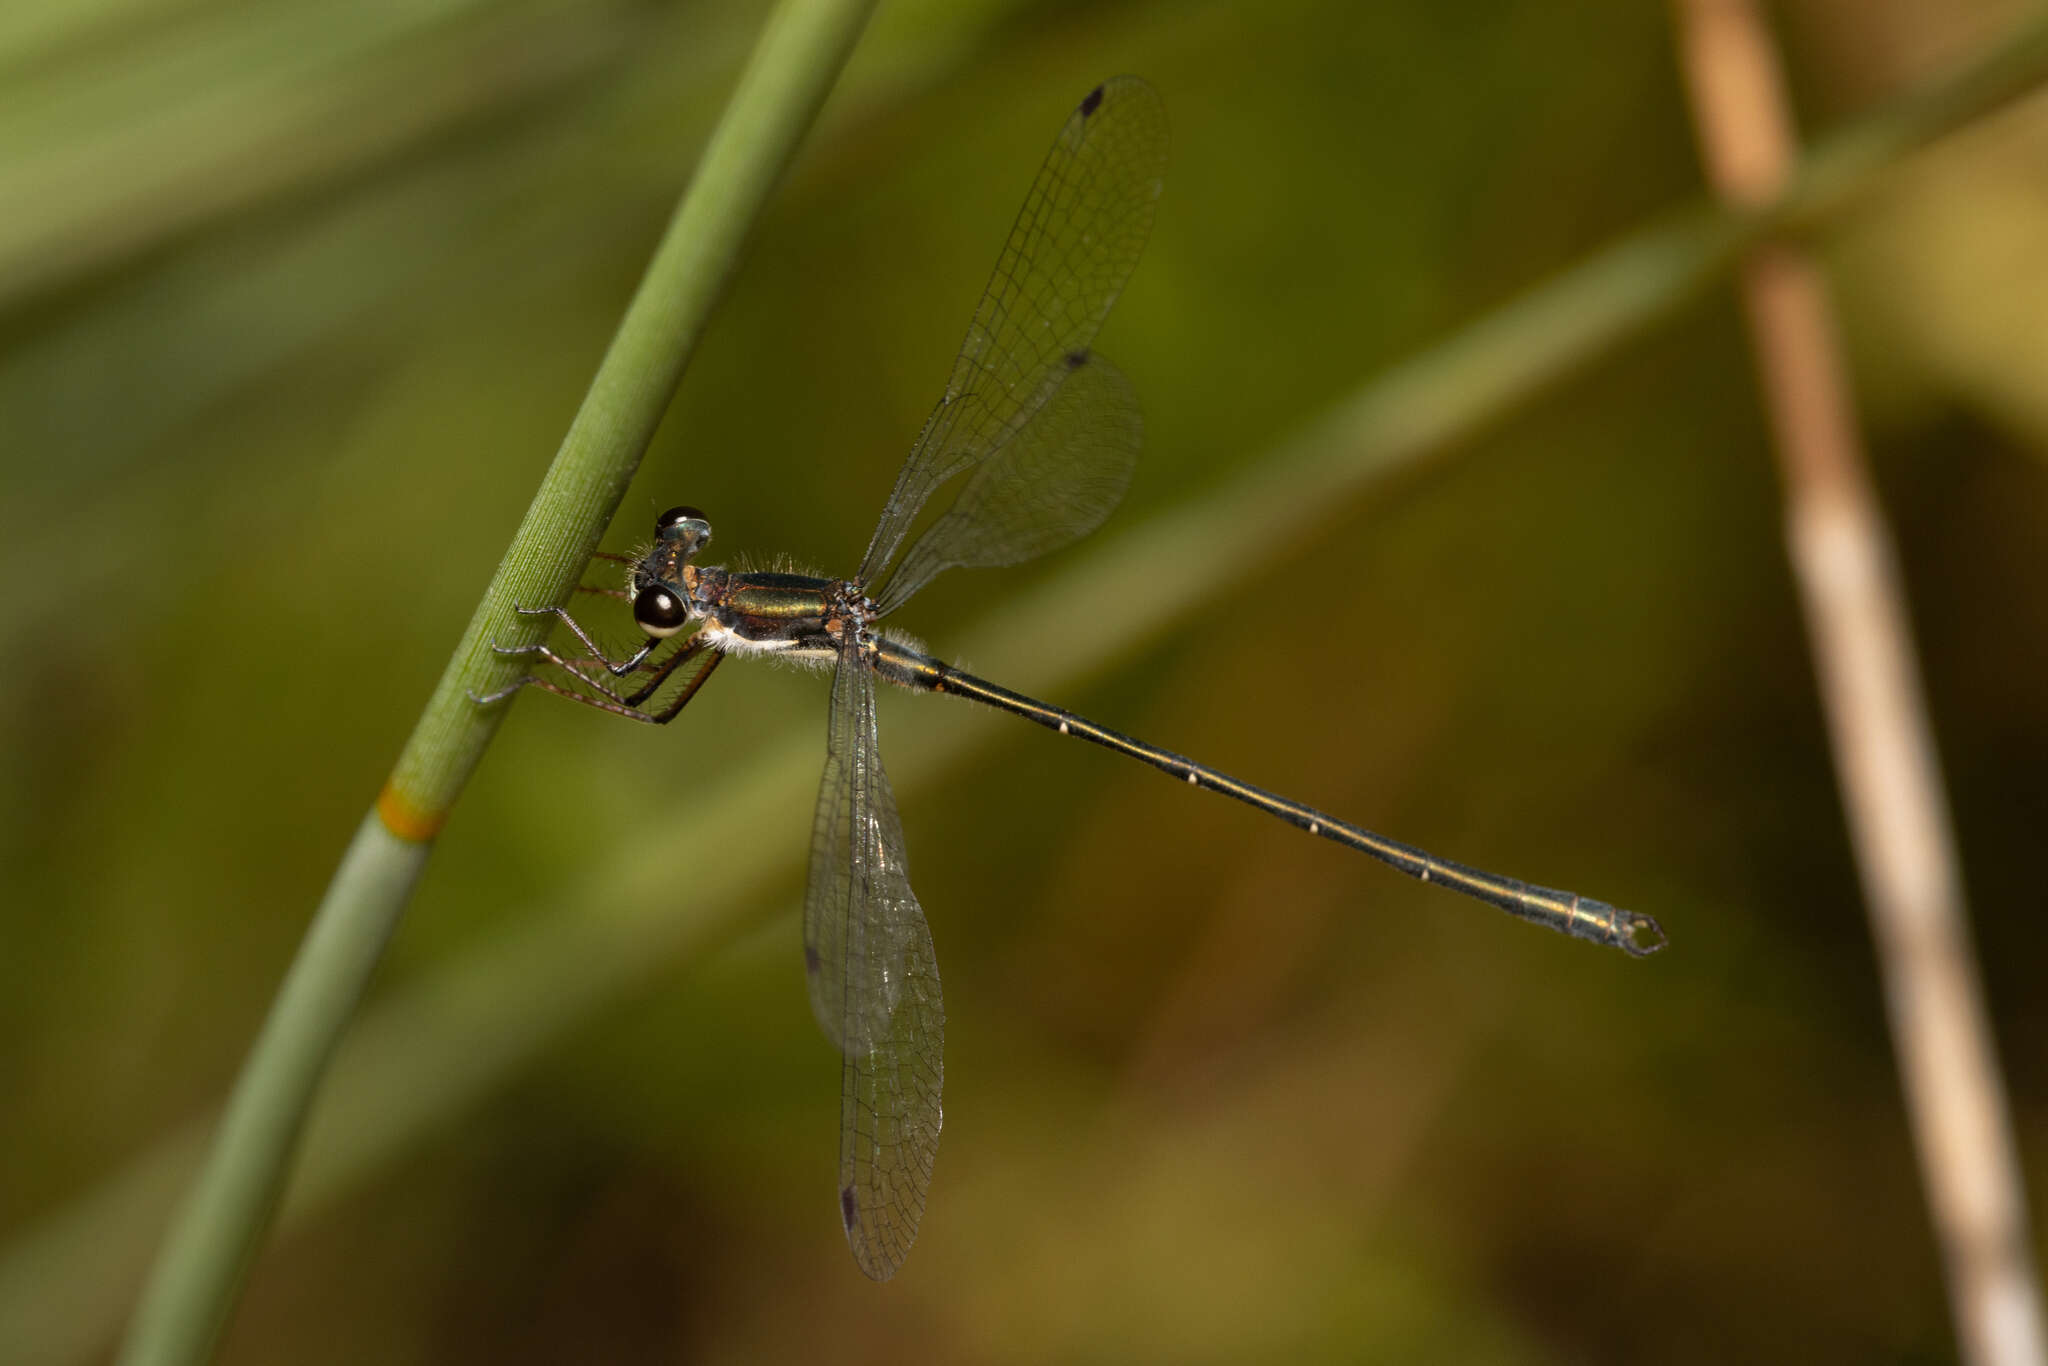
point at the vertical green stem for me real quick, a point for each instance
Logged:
(199, 1271)
(201, 1266)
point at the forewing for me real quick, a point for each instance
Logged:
(1049, 485)
(874, 986)
(1069, 253)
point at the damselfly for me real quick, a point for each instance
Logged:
(1041, 434)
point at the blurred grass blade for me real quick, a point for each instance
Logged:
(194, 1281)
(439, 1045)
(103, 157)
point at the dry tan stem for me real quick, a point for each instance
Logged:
(1870, 690)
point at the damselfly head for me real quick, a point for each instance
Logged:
(664, 579)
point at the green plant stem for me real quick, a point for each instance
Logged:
(211, 1246)
(198, 1272)
(803, 48)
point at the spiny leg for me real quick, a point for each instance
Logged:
(664, 668)
(631, 705)
(548, 656)
(682, 699)
(545, 685)
(541, 650)
(611, 701)
(661, 670)
(589, 673)
(619, 668)
(584, 671)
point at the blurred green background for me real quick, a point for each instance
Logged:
(296, 300)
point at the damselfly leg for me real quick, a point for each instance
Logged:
(629, 705)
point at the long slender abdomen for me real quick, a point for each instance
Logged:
(1566, 912)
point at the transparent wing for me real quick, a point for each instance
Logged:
(1050, 484)
(1069, 253)
(874, 985)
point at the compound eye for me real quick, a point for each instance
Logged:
(677, 515)
(659, 612)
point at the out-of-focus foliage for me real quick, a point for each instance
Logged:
(295, 300)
